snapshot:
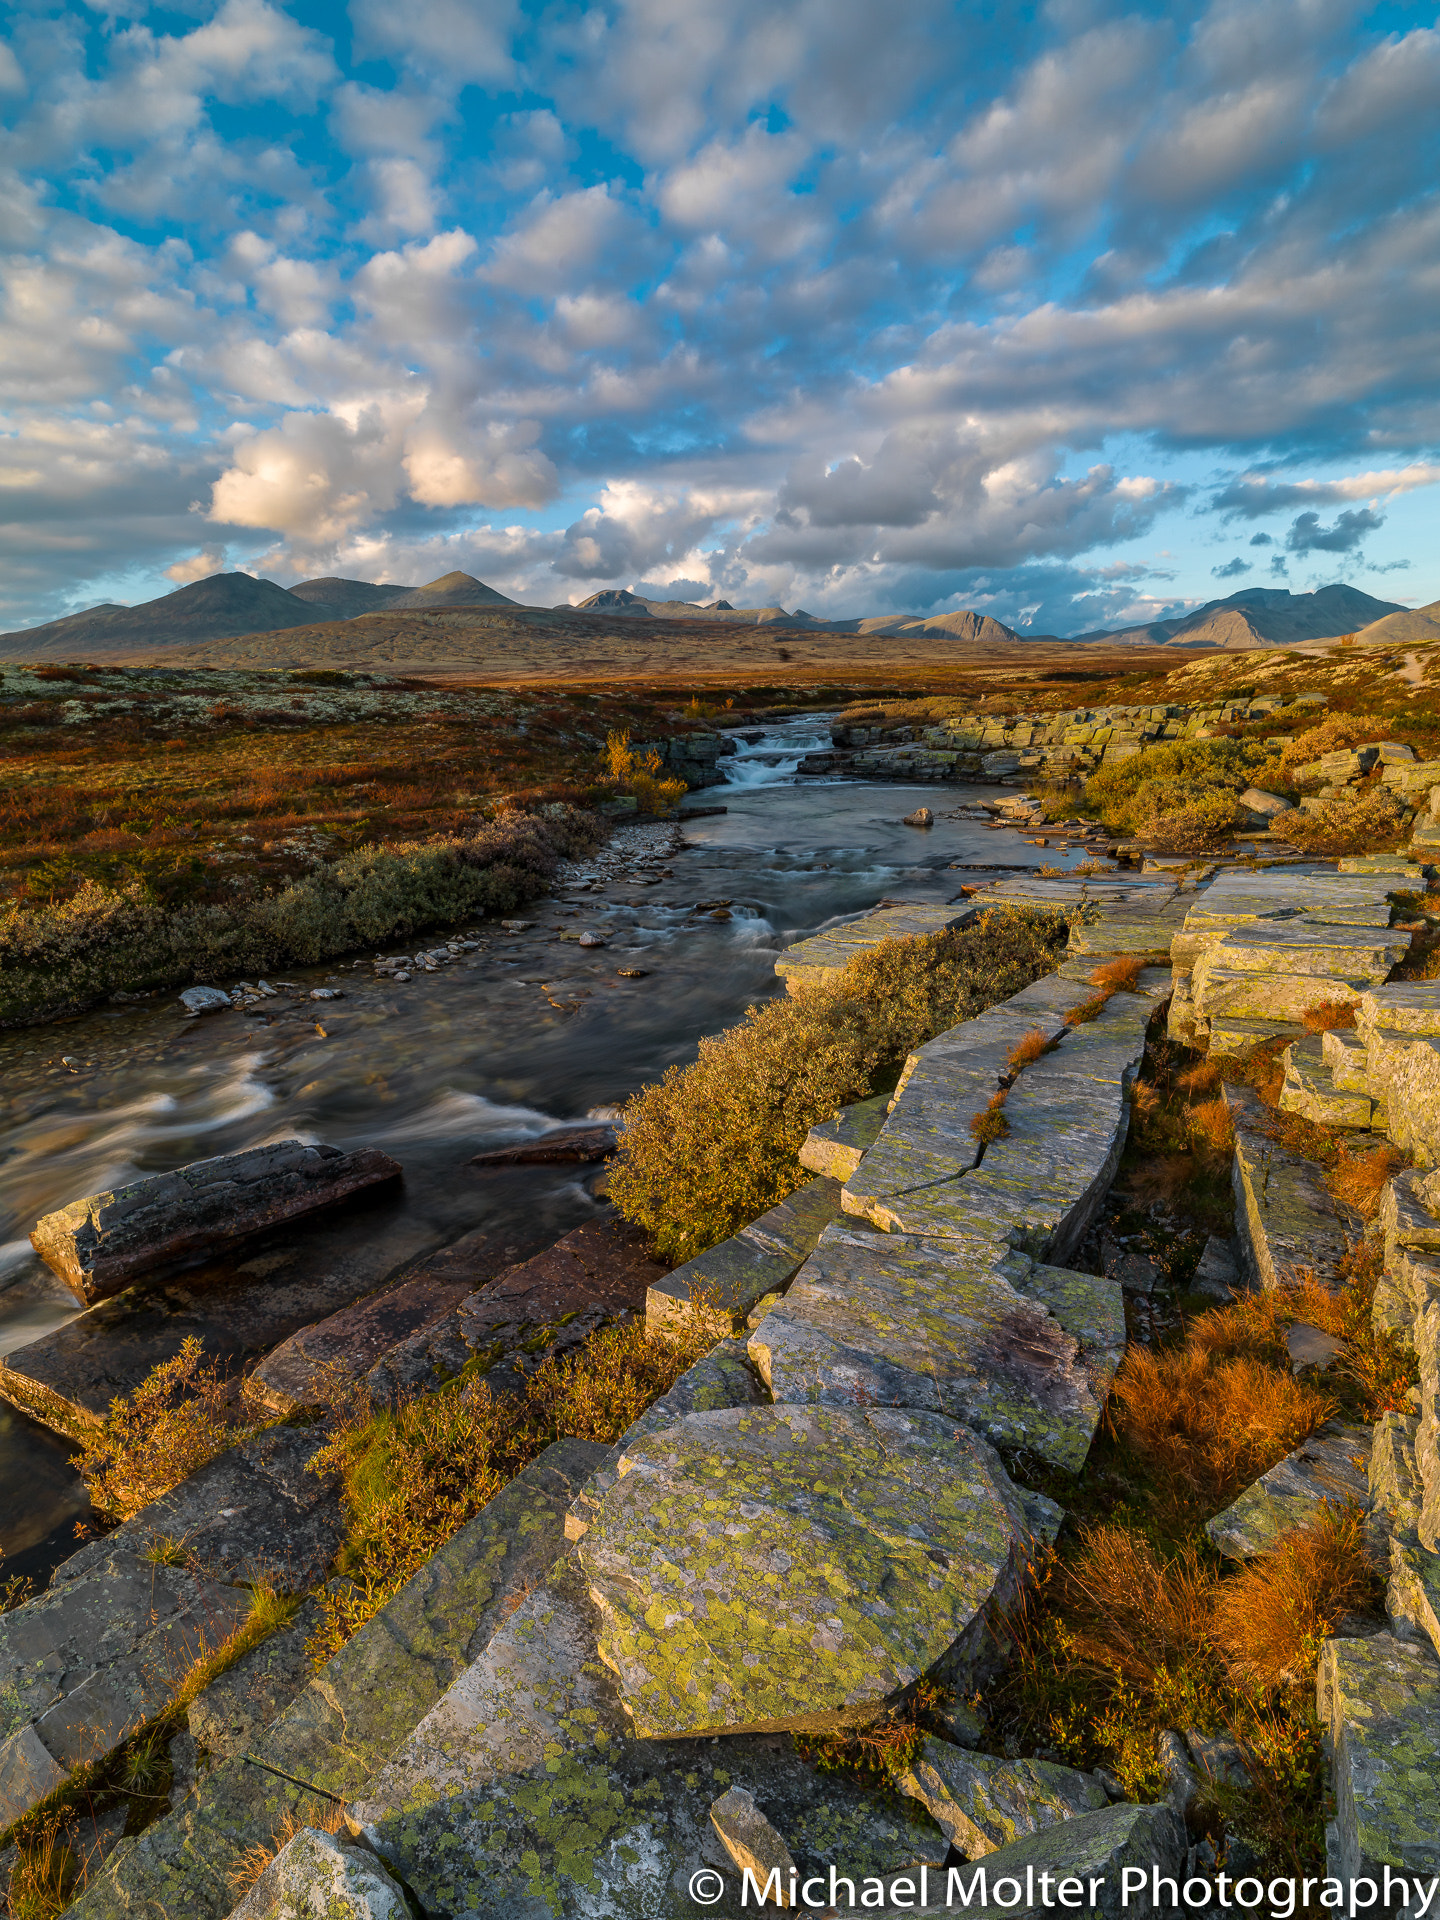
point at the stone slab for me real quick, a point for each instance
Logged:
(358, 1707)
(1403, 1071)
(28, 1772)
(1345, 1053)
(884, 1320)
(1406, 1220)
(254, 1513)
(1331, 1468)
(1404, 1006)
(323, 1362)
(525, 1792)
(981, 1804)
(1379, 1703)
(110, 1241)
(235, 1708)
(1285, 1220)
(1298, 946)
(834, 1147)
(1310, 1089)
(1237, 1037)
(825, 956)
(1226, 995)
(316, 1876)
(759, 1569)
(760, 1259)
(68, 1378)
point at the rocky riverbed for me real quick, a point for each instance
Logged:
(496, 1037)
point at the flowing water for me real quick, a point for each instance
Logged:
(528, 1032)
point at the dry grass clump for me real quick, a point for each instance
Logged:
(1368, 820)
(183, 1414)
(413, 1477)
(1120, 975)
(713, 1145)
(1359, 1179)
(1028, 1049)
(1377, 1369)
(992, 1123)
(1211, 1416)
(1270, 1619)
(1331, 1016)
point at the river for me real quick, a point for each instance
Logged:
(530, 1031)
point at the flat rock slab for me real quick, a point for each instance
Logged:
(1332, 1467)
(1379, 1702)
(1405, 1006)
(68, 1378)
(322, 1363)
(1089, 1853)
(885, 1320)
(834, 1147)
(825, 957)
(596, 1273)
(234, 1709)
(358, 1708)
(1310, 1089)
(1362, 954)
(1403, 1071)
(759, 1259)
(254, 1513)
(562, 1145)
(981, 1804)
(109, 1241)
(317, 1877)
(1285, 1219)
(525, 1793)
(776, 1567)
(90, 1660)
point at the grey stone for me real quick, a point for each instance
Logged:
(748, 1837)
(1310, 1089)
(1184, 1782)
(1331, 1467)
(525, 1792)
(981, 1804)
(233, 1709)
(1217, 1275)
(357, 1708)
(205, 1000)
(254, 1513)
(315, 1876)
(1220, 1760)
(28, 1771)
(1285, 1219)
(1402, 1006)
(826, 955)
(1345, 1052)
(102, 1244)
(1406, 1218)
(1379, 1702)
(834, 1147)
(1311, 1346)
(767, 1568)
(1237, 1037)
(757, 1260)
(886, 1320)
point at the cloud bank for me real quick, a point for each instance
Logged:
(821, 305)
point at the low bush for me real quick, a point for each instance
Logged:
(1182, 796)
(1369, 820)
(713, 1145)
(413, 1477)
(1208, 821)
(182, 1415)
(1331, 1016)
(103, 940)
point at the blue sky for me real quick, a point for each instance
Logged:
(1076, 313)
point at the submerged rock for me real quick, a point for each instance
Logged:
(103, 1243)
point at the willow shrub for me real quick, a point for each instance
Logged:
(102, 940)
(713, 1145)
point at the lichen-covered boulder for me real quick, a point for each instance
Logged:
(314, 1876)
(763, 1568)
(1379, 1702)
(980, 1803)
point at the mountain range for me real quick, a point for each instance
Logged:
(229, 606)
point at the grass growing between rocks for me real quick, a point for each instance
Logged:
(713, 1145)
(413, 1477)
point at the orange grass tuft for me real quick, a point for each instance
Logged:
(992, 1123)
(1359, 1179)
(1272, 1616)
(1331, 1016)
(1120, 975)
(1028, 1049)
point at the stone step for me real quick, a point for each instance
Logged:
(1331, 1468)
(883, 1320)
(321, 1363)
(759, 1259)
(1129, 930)
(356, 1709)
(94, 1657)
(1352, 953)
(1285, 1219)
(1237, 1038)
(1224, 995)
(1402, 1070)
(981, 1804)
(1310, 1089)
(1390, 864)
(526, 1791)
(1378, 1701)
(1346, 1054)
(1402, 1006)
(825, 956)
(834, 1147)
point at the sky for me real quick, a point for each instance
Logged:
(1074, 313)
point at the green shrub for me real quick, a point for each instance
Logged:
(1369, 821)
(58, 957)
(1207, 821)
(1150, 787)
(713, 1145)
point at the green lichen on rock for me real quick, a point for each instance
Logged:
(981, 1803)
(1379, 1701)
(793, 1566)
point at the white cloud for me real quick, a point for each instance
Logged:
(199, 566)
